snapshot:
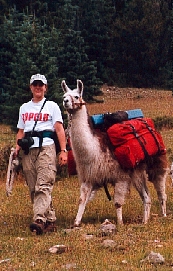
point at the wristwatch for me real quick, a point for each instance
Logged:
(64, 150)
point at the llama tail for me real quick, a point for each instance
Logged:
(95, 190)
(107, 192)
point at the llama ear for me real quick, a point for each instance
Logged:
(80, 87)
(64, 86)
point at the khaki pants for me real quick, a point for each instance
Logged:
(40, 173)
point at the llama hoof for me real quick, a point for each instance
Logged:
(120, 222)
(75, 226)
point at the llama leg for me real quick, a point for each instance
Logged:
(119, 215)
(139, 182)
(93, 193)
(85, 193)
(147, 204)
(157, 175)
(120, 191)
(159, 185)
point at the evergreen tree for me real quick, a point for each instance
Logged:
(138, 34)
(166, 46)
(73, 60)
(118, 42)
(95, 19)
(33, 48)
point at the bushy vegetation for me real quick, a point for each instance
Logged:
(124, 42)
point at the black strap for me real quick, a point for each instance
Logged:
(40, 135)
(148, 157)
(44, 133)
(107, 192)
(140, 142)
(152, 133)
(40, 138)
(38, 115)
(32, 132)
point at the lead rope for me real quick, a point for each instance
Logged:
(69, 124)
(67, 131)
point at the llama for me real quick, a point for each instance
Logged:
(96, 165)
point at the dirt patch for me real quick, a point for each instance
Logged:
(131, 93)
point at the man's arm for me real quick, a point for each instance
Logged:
(20, 134)
(62, 142)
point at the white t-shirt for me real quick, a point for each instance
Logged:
(50, 114)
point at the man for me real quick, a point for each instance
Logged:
(38, 119)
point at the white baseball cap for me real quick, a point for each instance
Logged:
(39, 77)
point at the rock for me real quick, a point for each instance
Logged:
(69, 266)
(124, 261)
(154, 258)
(5, 260)
(109, 243)
(88, 236)
(107, 227)
(58, 249)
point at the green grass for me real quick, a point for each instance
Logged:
(26, 251)
(6, 136)
(23, 251)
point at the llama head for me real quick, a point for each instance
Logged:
(72, 99)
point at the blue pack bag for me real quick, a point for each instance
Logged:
(134, 113)
(98, 120)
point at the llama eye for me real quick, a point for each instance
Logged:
(76, 97)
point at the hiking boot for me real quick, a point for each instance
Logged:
(50, 227)
(38, 227)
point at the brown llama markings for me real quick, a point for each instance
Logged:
(96, 165)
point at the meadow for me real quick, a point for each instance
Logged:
(21, 250)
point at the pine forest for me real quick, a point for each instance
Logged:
(127, 43)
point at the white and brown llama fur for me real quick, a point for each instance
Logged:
(96, 165)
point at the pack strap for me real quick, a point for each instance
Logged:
(40, 135)
(150, 129)
(140, 141)
(38, 115)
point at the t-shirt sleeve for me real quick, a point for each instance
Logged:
(56, 114)
(20, 124)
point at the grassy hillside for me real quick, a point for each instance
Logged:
(21, 250)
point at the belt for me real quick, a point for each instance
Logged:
(41, 135)
(45, 133)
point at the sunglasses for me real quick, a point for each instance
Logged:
(37, 83)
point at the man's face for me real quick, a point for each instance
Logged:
(38, 89)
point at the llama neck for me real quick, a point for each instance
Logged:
(81, 130)
(80, 120)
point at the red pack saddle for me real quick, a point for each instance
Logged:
(135, 141)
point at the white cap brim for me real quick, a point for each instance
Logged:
(39, 77)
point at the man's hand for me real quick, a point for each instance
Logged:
(63, 158)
